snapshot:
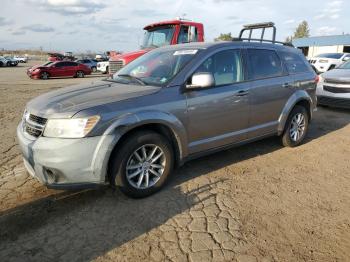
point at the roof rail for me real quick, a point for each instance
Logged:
(263, 27)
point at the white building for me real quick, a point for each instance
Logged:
(312, 46)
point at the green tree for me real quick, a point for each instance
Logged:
(301, 31)
(224, 37)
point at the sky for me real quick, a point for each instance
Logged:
(101, 25)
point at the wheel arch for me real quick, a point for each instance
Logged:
(301, 98)
(165, 124)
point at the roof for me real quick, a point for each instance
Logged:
(207, 45)
(322, 41)
(171, 22)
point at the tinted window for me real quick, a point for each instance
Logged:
(61, 64)
(264, 63)
(70, 64)
(294, 63)
(226, 67)
(183, 36)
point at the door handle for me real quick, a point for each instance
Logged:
(242, 93)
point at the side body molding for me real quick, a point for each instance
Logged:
(292, 101)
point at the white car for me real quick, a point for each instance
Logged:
(325, 62)
(21, 59)
(333, 88)
(103, 67)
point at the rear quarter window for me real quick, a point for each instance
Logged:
(294, 63)
(264, 63)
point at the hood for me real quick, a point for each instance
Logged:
(131, 56)
(66, 102)
(341, 75)
(36, 67)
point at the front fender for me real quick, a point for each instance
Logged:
(127, 122)
(292, 101)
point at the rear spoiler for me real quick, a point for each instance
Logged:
(262, 27)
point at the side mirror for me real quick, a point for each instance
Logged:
(346, 58)
(201, 80)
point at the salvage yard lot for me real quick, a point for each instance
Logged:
(258, 202)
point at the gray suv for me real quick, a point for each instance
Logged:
(173, 104)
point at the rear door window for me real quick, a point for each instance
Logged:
(294, 63)
(264, 63)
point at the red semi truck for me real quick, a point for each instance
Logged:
(160, 34)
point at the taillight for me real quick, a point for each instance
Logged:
(317, 79)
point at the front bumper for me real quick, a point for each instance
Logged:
(340, 100)
(66, 163)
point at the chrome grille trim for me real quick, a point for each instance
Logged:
(34, 125)
(115, 66)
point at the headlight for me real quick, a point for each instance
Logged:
(323, 61)
(70, 128)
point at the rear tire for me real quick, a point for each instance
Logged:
(80, 74)
(107, 70)
(135, 168)
(296, 127)
(94, 69)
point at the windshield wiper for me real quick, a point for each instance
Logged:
(139, 80)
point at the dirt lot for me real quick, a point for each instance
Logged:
(259, 202)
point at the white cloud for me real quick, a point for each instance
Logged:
(326, 30)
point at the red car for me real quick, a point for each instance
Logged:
(59, 69)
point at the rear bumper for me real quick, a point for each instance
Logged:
(66, 163)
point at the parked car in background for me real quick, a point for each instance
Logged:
(3, 61)
(334, 87)
(21, 59)
(11, 61)
(328, 61)
(88, 62)
(170, 105)
(59, 69)
(103, 67)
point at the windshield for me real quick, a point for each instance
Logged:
(330, 55)
(157, 37)
(346, 65)
(47, 63)
(155, 68)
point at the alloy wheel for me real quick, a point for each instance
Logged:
(297, 127)
(145, 166)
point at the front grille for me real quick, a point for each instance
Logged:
(312, 61)
(333, 89)
(337, 81)
(34, 125)
(38, 119)
(115, 66)
(332, 101)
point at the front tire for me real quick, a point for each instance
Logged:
(296, 127)
(142, 165)
(44, 75)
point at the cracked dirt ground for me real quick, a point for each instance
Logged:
(258, 202)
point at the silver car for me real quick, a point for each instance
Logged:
(173, 104)
(334, 87)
